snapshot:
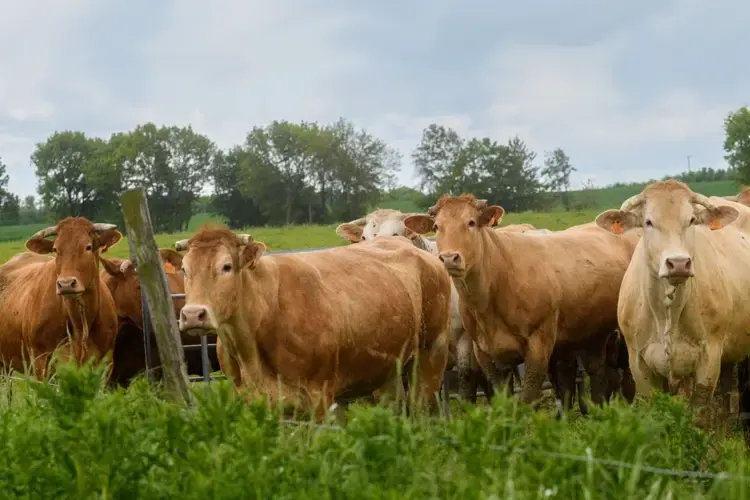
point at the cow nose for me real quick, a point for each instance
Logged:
(68, 286)
(451, 260)
(679, 267)
(194, 318)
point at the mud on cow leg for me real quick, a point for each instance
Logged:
(537, 366)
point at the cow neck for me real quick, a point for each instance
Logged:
(241, 333)
(476, 287)
(669, 302)
(81, 312)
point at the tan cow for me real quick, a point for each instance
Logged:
(57, 304)
(681, 305)
(389, 222)
(523, 295)
(311, 327)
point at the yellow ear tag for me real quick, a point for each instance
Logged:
(617, 227)
(169, 268)
(714, 224)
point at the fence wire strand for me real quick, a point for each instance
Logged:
(606, 462)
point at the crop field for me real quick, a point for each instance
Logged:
(75, 438)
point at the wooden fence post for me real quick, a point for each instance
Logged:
(155, 289)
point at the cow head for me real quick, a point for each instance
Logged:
(458, 222)
(76, 247)
(214, 268)
(670, 214)
(383, 222)
(121, 279)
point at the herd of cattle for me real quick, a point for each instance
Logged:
(647, 296)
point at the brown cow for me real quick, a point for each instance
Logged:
(524, 295)
(58, 304)
(308, 327)
(389, 222)
(129, 358)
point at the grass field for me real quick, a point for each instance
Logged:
(78, 441)
(612, 197)
(294, 237)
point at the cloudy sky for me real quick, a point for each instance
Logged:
(628, 88)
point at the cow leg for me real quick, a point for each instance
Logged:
(743, 386)
(724, 388)
(430, 368)
(539, 350)
(499, 377)
(467, 381)
(706, 379)
(562, 378)
(594, 364)
(580, 386)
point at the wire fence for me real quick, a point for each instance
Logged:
(588, 458)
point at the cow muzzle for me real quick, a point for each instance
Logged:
(68, 286)
(453, 263)
(196, 320)
(677, 269)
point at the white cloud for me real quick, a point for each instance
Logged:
(565, 95)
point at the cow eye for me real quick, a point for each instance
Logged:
(692, 220)
(364, 238)
(54, 250)
(649, 223)
(89, 247)
(227, 268)
(472, 223)
(435, 227)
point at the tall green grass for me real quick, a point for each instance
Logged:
(73, 439)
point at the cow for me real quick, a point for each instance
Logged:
(389, 222)
(308, 328)
(129, 357)
(57, 304)
(524, 296)
(680, 307)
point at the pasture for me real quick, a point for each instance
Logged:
(283, 238)
(76, 439)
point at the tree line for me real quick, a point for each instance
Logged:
(291, 173)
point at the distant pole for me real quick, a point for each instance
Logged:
(158, 298)
(688, 161)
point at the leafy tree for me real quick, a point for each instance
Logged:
(438, 161)
(63, 164)
(556, 172)
(737, 142)
(9, 210)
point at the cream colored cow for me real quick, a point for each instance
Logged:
(682, 300)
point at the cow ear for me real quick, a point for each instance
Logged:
(172, 260)
(39, 245)
(717, 217)
(252, 253)
(111, 266)
(420, 224)
(616, 221)
(350, 231)
(491, 216)
(107, 239)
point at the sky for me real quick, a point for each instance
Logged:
(629, 89)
